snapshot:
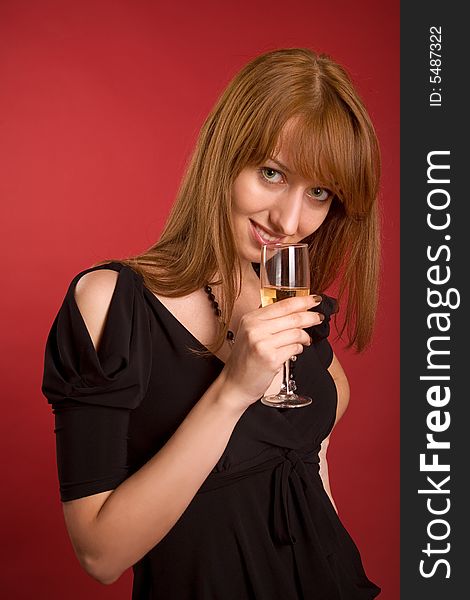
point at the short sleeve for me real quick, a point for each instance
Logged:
(319, 333)
(92, 393)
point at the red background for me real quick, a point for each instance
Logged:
(100, 104)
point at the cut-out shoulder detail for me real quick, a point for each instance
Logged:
(93, 294)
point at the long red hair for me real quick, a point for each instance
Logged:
(332, 140)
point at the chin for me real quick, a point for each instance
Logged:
(254, 257)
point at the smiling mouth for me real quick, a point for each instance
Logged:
(263, 236)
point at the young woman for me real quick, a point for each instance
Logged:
(168, 462)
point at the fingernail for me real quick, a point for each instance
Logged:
(322, 317)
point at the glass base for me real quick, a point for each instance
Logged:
(286, 401)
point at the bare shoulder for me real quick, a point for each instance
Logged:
(93, 294)
(102, 282)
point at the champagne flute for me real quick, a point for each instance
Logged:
(285, 272)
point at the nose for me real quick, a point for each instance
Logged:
(285, 215)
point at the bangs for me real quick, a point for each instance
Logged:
(328, 147)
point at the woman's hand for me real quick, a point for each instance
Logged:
(265, 339)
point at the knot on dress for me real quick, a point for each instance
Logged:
(290, 476)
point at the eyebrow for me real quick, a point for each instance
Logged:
(287, 170)
(282, 166)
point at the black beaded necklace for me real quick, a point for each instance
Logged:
(215, 305)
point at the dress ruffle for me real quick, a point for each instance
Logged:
(327, 307)
(118, 374)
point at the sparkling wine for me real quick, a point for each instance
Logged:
(284, 273)
(271, 294)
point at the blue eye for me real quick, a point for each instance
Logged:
(319, 193)
(271, 175)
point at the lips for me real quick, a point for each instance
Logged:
(263, 236)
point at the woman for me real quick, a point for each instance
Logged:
(155, 364)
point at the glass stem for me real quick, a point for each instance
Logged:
(286, 384)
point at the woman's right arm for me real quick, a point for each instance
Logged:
(112, 530)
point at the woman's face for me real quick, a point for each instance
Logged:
(272, 203)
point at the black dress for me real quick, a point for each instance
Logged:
(261, 527)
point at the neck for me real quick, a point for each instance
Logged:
(248, 273)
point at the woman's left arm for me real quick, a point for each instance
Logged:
(342, 388)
